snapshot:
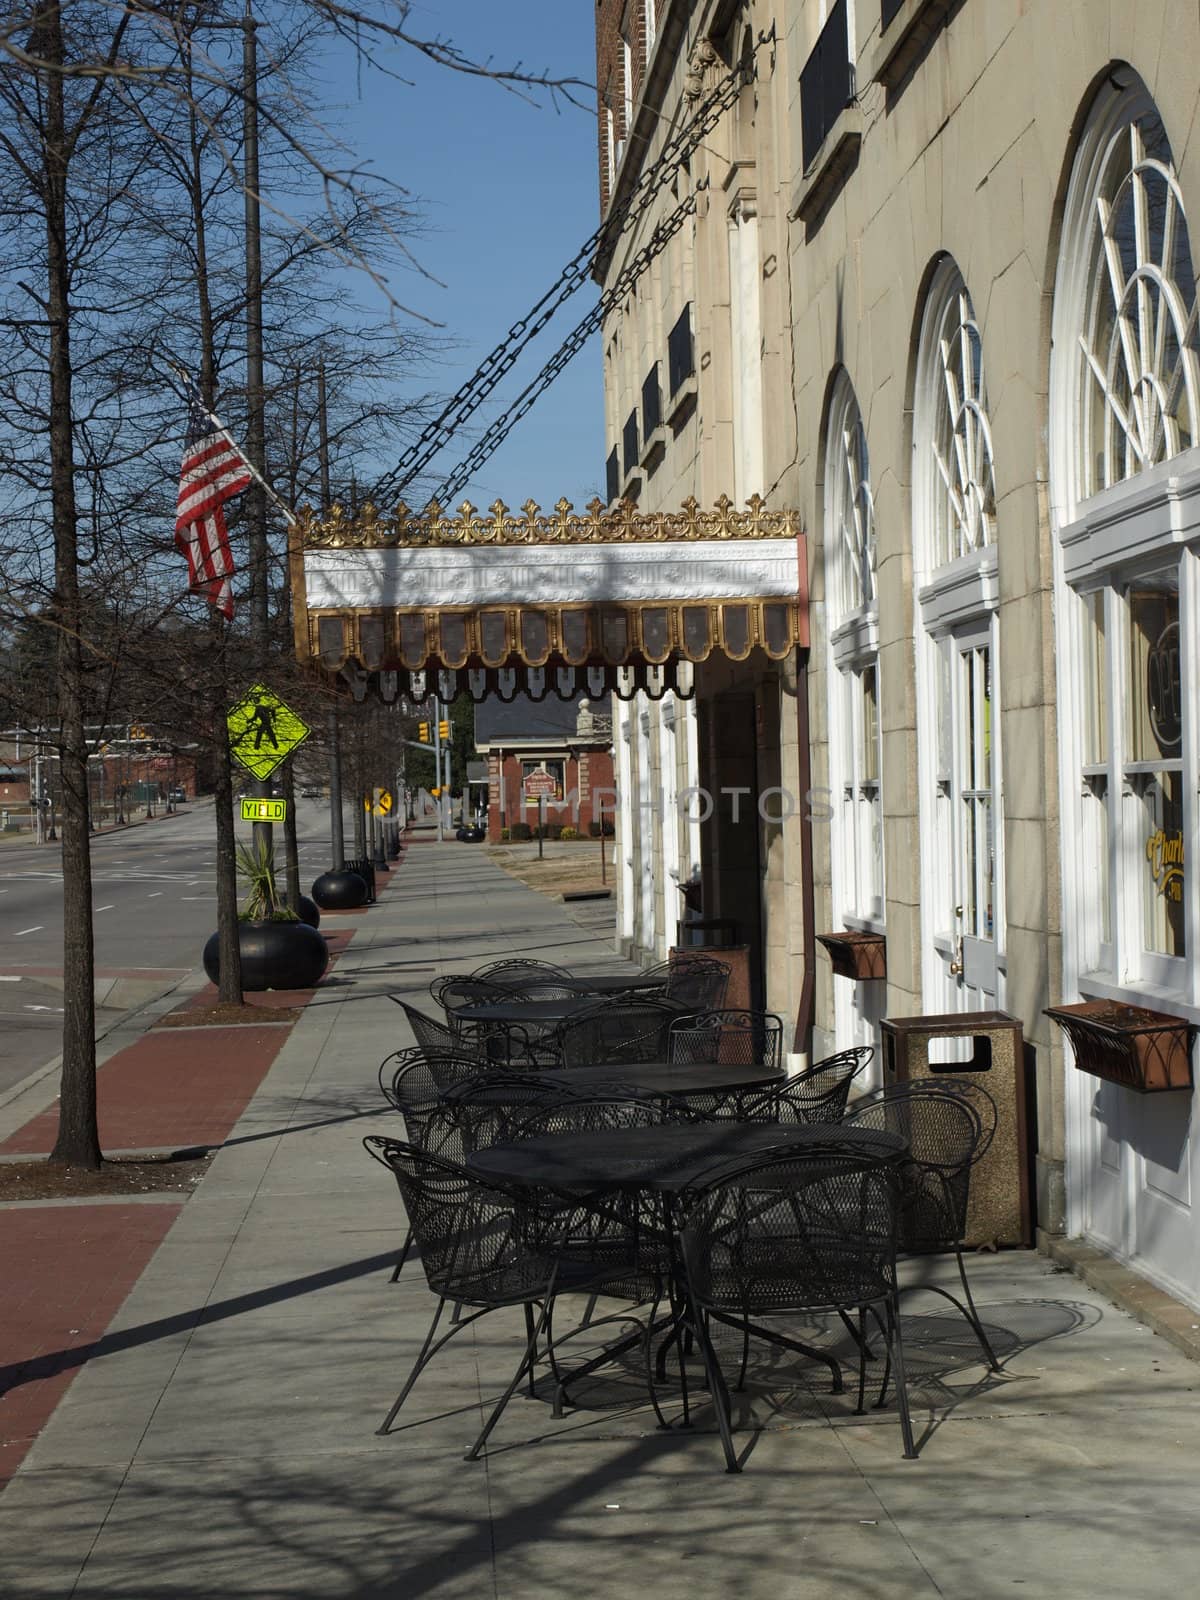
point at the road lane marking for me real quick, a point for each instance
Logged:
(21, 932)
(104, 908)
(157, 895)
(5, 979)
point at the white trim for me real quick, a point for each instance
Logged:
(551, 574)
(962, 591)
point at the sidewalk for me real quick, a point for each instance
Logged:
(220, 1442)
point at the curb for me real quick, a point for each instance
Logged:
(1173, 1321)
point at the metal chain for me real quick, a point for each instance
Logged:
(620, 219)
(486, 446)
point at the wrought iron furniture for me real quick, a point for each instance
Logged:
(818, 1094)
(796, 1234)
(945, 1138)
(616, 1031)
(413, 1089)
(742, 1038)
(427, 1031)
(483, 1247)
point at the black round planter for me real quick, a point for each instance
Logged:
(470, 835)
(340, 891)
(275, 955)
(309, 912)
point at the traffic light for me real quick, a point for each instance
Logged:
(422, 732)
(443, 730)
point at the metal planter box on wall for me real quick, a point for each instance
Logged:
(856, 955)
(1146, 1051)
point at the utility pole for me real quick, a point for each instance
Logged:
(437, 765)
(256, 430)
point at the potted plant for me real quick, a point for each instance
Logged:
(856, 955)
(1147, 1051)
(279, 951)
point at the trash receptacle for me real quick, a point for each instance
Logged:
(366, 872)
(1000, 1210)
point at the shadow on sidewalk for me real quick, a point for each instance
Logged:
(53, 1362)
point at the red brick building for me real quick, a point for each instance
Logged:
(625, 34)
(569, 740)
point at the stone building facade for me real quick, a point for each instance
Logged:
(939, 289)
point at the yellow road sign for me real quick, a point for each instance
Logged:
(264, 810)
(263, 731)
(378, 802)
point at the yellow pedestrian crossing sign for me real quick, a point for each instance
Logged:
(263, 731)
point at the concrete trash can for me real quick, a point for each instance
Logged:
(1000, 1211)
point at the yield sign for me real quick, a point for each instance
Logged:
(263, 731)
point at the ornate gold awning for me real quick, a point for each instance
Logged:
(507, 603)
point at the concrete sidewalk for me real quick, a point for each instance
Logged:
(223, 1443)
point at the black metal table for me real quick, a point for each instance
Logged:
(667, 1159)
(522, 1013)
(680, 1078)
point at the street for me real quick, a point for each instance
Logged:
(155, 905)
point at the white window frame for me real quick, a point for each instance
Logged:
(956, 578)
(857, 858)
(1109, 536)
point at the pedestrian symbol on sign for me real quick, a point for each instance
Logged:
(263, 722)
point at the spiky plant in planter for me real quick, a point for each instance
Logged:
(256, 869)
(279, 951)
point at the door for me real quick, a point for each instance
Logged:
(964, 959)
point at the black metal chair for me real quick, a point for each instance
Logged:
(479, 1251)
(728, 1038)
(615, 1032)
(945, 1137)
(427, 1031)
(795, 1235)
(492, 1108)
(520, 975)
(696, 982)
(413, 1089)
(818, 1094)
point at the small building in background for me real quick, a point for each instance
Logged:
(568, 740)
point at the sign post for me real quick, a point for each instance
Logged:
(540, 786)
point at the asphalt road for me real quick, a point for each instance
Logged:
(154, 898)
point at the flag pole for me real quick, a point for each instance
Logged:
(185, 376)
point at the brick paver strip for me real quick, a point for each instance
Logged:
(66, 1271)
(171, 1087)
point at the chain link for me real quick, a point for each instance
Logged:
(466, 400)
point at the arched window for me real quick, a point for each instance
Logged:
(851, 506)
(956, 437)
(1124, 400)
(1138, 399)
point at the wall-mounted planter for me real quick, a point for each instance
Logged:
(856, 955)
(1147, 1051)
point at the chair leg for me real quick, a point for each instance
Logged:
(862, 1360)
(403, 1256)
(531, 1344)
(896, 1355)
(719, 1390)
(525, 1364)
(973, 1315)
(421, 1361)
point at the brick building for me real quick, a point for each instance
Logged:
(569, 740)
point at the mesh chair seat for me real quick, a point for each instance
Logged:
(615, 1032)
(817, 1095)
(796, 1234)
(944, 1134)
(483, 1247)
(429, 1033)
(728, 1038)
(697, 982)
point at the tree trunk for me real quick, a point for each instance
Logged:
(229, 951)
(78, 1141)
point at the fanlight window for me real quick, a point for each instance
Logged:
(1139, 382)
(964, 497)
(853, 519)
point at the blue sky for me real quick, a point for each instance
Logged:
(509, 190)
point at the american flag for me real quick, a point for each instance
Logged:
(213, 470)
